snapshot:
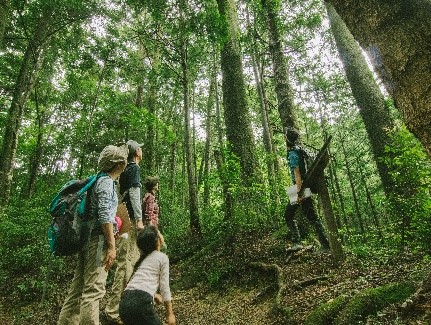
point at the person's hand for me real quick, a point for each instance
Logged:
(111, 254)
(171, 319)
(158, 298)
(139, 225)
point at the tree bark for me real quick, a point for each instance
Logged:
(4, 18)
(36, 156)
(369, 98)
(190, 165)
(396, 34)
(267, 134)
(238, 126)
(208, 130)
(352, 187)
(23, 86)
(283, 87)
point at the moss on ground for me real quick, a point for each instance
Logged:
(327, 312)
(371, 301)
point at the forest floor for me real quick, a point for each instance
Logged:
(248, 296)
(222, 285)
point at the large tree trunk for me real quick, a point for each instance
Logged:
(283, 88)
(369, 98)
(238, 126)
(190, 165)
(23, 86)
(396, 34)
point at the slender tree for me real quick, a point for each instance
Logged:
(190, 162)
(4, 17)
(23, 86)
(263, 105)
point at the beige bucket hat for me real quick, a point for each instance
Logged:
(110, 156)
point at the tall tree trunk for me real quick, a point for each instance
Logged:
(396, 34)
(190, 164)
(267, 134)
(374, 217)
(208, 131)
(23, 86)
(332, 166)
(4, 18)
(369, 98)
(218, 118)
(37, 153)
(138, 103)
(149, 157)
(228, 199)
(238, 126)
(283, 87)
(333, 234)
(352, 187)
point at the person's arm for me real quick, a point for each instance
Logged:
(165, 289)
(170, 313)
(135, 200)
(111, 254)
(105, 193)
(298, 182)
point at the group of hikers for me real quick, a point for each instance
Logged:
(142, 271)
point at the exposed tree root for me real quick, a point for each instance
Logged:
(278, 273)
(298, 285)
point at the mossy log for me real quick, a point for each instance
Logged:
(327, 312)
(372, 300)
(344, 310)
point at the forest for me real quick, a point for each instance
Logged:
(209, 86)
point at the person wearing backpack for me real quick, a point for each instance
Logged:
(98, 254)
(128, 253)
(151, 272)
(296, 156)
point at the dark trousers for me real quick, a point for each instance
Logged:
(137, 308)
(310, 213)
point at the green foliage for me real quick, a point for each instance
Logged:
(410, 201)
(326, 313)
(25, 251)
(372, 300)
